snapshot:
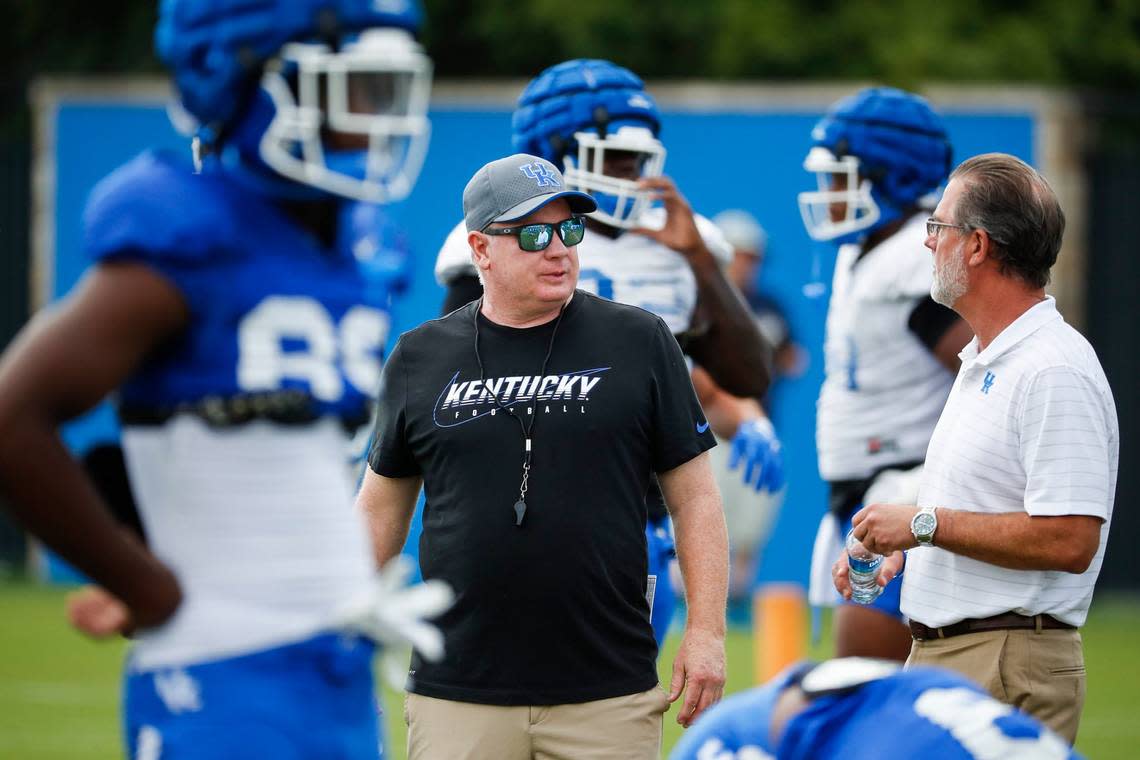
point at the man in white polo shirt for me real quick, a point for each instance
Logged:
(1017, 491)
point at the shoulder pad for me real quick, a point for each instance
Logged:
(156, 206)
(454, 259)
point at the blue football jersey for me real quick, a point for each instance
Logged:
(922, 712)
(271, 307)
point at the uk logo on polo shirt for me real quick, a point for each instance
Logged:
(988, 382)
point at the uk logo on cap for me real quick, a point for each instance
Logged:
(540, 174)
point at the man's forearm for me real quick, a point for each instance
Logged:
(702, 551)
(702, 541)
(1019, 541)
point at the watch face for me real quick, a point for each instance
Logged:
(924, 524)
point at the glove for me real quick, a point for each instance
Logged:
(392, 613)
(757, 447)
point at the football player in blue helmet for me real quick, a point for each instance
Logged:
(238, 312)
(268, 81)
(859, 707)
(890, 351)
(647, 248)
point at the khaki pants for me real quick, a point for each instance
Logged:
(627, 727)
(1040, 672)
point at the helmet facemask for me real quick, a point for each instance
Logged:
(838, 184)
(371, 96)
(621, 200)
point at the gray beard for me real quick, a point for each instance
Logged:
(950, 281)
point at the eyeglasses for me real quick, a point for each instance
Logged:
(536, 237)
(933, 226)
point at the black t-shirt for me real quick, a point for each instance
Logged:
(552, 611)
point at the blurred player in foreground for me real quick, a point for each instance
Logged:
(865, 708)
(890, 351)
(646, 248)
(239, 311)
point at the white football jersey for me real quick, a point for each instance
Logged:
(631, 269)
(883, 390)
(266, 554)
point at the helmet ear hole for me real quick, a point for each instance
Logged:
(601, 120)
(877, 174)
(558, 145)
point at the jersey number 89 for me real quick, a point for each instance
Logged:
(348, 350)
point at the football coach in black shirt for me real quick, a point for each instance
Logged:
(534, 419)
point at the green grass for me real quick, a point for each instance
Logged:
(59, 693)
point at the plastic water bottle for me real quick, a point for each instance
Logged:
(863, 565)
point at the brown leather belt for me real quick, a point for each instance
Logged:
(1004, 622)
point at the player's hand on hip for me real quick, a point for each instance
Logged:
(98, 613)
(885, 528)
(757, 451)
(680, 231)
(698, 673)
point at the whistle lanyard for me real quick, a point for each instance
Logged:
(527, 428)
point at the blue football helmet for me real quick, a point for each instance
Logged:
(298, 95)
(875, 154)
(573, 113)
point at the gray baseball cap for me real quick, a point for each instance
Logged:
(513, 187)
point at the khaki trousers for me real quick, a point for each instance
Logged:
(1040, 672)
(625, 728)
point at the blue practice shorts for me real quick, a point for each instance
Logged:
(890, 600)
(659, 541)
(313, 700)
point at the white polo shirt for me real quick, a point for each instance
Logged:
(1030, 425)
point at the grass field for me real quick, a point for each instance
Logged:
(59, 692)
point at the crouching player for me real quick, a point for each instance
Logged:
(858, 707)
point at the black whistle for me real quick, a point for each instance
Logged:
(520, 510)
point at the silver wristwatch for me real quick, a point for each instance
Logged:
(923, 525)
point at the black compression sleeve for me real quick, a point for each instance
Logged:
(930, 320)
(460, 292)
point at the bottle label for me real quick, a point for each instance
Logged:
(868, 567)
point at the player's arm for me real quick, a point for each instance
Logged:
(387, 505)
(64, 362)
(941, 330)
(726, 340)
(702, 550)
